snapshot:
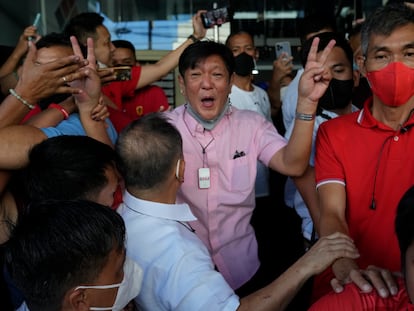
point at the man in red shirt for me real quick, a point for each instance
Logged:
(150, 98)
(353, 299)
(364, 160)
(90, 24)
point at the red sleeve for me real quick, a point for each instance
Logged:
(327, 165)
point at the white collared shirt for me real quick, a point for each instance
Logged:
(178, 271)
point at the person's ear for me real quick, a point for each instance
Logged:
(361, 65)
(182, 85)
(356, 75)
(179, 171)
(77, 300)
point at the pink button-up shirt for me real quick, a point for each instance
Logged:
(224, 210)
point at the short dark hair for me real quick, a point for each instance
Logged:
(384, 20)
(83, 26)
(53, 39)
(147, 149)
(201, 50)
(124, 44)
(325, 38)
(58, 245)
(67, 167)
(315, 23)
(240, 32)
(404, 221)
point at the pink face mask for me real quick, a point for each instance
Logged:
(393, 85)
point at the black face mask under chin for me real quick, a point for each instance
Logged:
(338, 94)
(244, 64)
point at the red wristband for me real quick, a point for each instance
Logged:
(61, 109)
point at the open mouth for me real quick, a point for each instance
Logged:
(207, 101)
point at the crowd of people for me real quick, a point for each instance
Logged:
(111, 199)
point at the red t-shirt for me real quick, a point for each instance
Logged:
(352, 299)
(372, 161)
(145, 100)
(117, 90)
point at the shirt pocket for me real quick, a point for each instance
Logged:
(240, 173)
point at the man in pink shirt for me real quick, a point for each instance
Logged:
(221, 148)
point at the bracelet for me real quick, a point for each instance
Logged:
(305, 116)
(61, 109)
(193, 38)
(22, 100)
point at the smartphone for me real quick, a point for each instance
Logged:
(283, 47)
(122, 73)
(36, 23)
(216, 17)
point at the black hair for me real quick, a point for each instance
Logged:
(404, 221)
(201, 50)
(147, 149)
(83, 26)
(240, 32)
(124, 44)
(384, 20)
(67, 167)
(315, 23)
(325, 38)
(53, 39)
(58, 245)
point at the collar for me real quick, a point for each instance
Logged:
(195, 127)
(179, 212)
(207, 124)
(366, 119)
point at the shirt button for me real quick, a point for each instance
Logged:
(396, 138)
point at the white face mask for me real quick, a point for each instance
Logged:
(128, 289)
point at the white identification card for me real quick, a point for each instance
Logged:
(204, 178)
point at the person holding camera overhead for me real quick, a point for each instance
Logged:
(90, 24)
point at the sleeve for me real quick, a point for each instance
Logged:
(269, 141)
(73, 126)
(204, 288)
(328, 167)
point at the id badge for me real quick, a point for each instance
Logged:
(204, 178)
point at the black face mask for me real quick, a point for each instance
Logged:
(244, 64)
(338, 95)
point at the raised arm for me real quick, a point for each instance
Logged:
(281, 68)
(19, 51)
(293, 159)
(153, 72)
(39, 81)
(90, 95)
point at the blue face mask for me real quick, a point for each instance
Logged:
(128, 289)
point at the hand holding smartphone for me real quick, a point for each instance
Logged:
(122, 73)
(216, 17)
(283, 47)
(36, 23)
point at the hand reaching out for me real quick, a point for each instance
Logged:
(347, 271)
(327, 250)
(38, 81)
